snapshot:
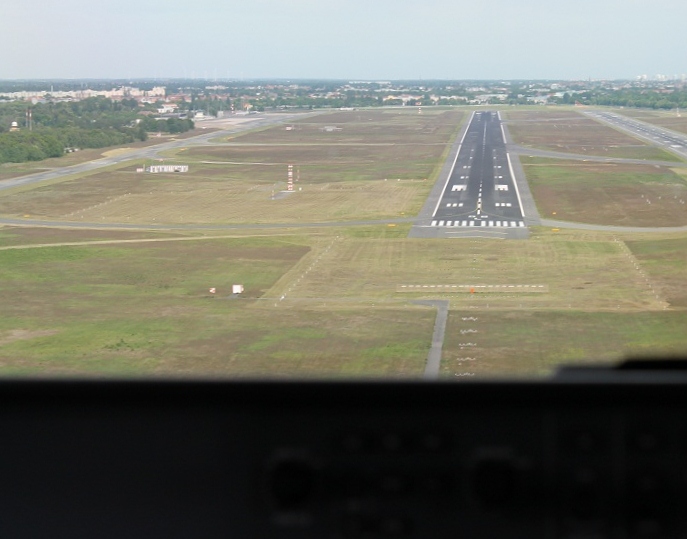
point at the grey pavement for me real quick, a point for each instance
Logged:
(610, 228)
(427, 210)
(529, 207)
(477, 161)
(434, 356)
(7, 221)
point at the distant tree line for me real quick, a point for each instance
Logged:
(629, 97)
(28, 146)
(95, 122)
(51, 142)
(170, 125)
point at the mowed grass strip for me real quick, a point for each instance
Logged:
(607, 193)
(581, 271)
(236, 204)
(570, 132)
(365, 162)
(522, 343)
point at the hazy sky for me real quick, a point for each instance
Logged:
(346, 39)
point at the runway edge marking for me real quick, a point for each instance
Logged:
(515, 183)
(448, 178)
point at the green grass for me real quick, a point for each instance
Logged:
(144, 309)
(647, 153)
(349, 342)
(96, 300)
(580, 271)
(518, 343)
(562, 172)
(665, 260)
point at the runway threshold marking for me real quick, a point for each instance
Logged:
(488, 224)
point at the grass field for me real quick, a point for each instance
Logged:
(328, 304)
(237, 183)
(338, 301)
(607, 193)
(581, 271)
(531, 343)
(146, 309)
(569, 131)
(125, 197)
(398, 126)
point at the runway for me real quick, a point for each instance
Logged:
(665, 139)
(479, 196)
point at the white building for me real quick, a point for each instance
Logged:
(156, 169)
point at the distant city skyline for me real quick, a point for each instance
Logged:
(344, 40)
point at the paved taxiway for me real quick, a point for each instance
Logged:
(534, 152)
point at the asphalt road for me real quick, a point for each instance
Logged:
(610, 228)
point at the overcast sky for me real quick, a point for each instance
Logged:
(343, 39)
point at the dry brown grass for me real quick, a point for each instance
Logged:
(568, 131)
(129, 198)
(236, 183)
(607, 193)
(364, 126)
